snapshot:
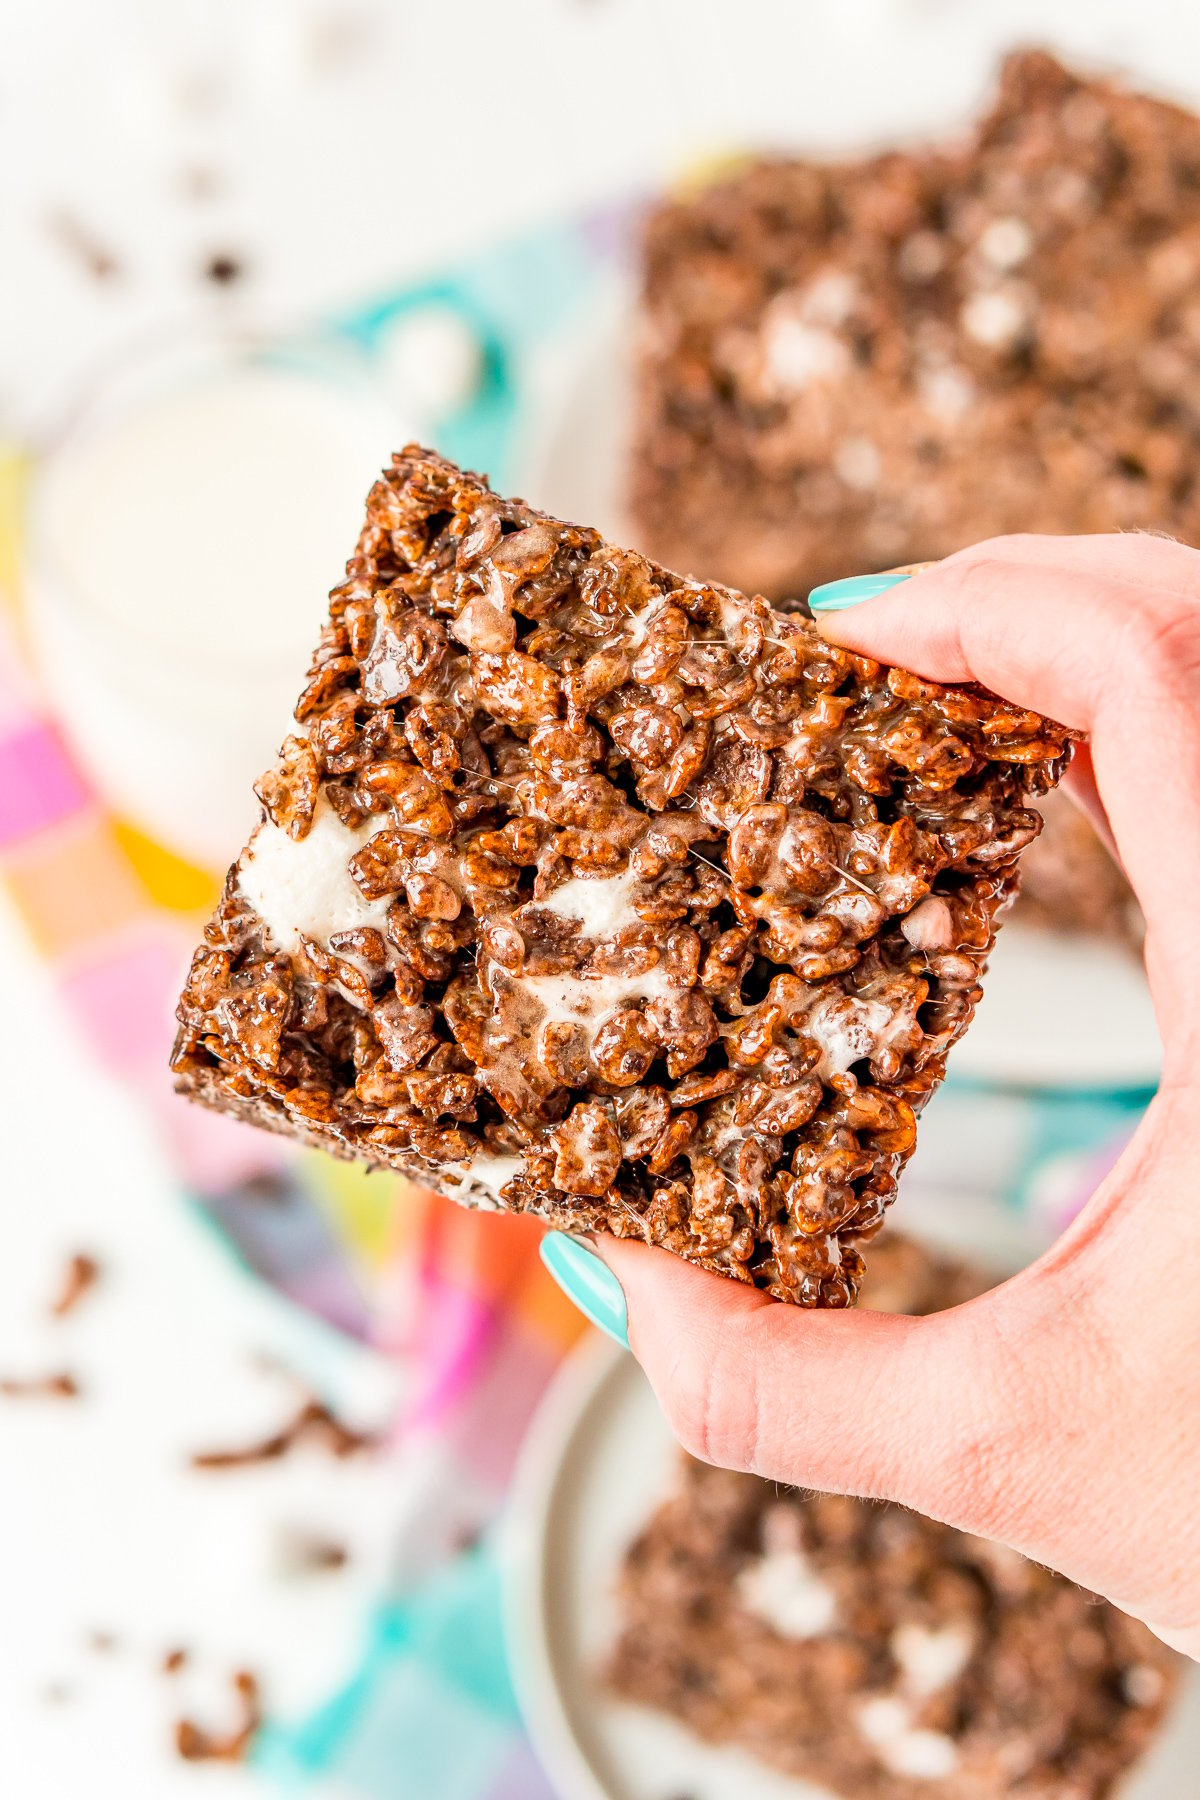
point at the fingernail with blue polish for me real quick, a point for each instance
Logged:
(588, 1282)
(836, 596)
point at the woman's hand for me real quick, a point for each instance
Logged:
(1061, 1412)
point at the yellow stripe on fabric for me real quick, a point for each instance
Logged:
(14, 468)
(169, 881)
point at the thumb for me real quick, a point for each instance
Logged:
(915, 1410)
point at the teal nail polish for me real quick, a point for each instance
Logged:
(588, 1282)
(836, 596)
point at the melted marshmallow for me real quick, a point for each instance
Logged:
(994, 318)
(903, 1748)
(847, 1030)
(1005, 243)
(304, 885)
(601, 904)
(927, 1659)
(798, 355)
(587, 1000)
(782, 1589)
(480, 1181)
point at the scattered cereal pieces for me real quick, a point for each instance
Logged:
(314, 1423)
(80, 1276)
(61, 1385)
(196, 1744)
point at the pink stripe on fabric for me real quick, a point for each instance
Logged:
(489, 1425)
(458, 1329)
(38, 784)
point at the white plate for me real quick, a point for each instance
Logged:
(598, 1459)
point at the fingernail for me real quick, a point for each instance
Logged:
(836, 596)
(588, 1282)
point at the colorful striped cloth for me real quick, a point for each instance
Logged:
(429, 1712)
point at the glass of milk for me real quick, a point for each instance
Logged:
(185, 527)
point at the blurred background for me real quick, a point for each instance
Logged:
(260, 1415)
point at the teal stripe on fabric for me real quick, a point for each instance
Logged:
(432, 1693)
(513, 296)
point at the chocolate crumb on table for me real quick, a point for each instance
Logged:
(873, 1652)
(59, 1385)
(197, 1744)
(224, 269)
(80, 242)
(588, 891)
(314, 1423)
(309, 1553)
(79, 1277)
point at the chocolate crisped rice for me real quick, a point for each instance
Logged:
(847, 366)
(197, 1743)
(874, 1653)
(877, 1654)
(617, 897)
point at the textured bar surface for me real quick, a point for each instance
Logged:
(846, 367)
(586, 890)
(873, 1652)
(850, 366)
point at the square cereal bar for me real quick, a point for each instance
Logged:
(589, 891)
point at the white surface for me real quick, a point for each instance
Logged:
(103, 1526)
(598, 1459)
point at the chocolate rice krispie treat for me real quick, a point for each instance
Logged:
(877, 1654)
(851, 366)
(586, 890)
(844, 367)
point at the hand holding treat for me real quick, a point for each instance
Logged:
(1059, 1413)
